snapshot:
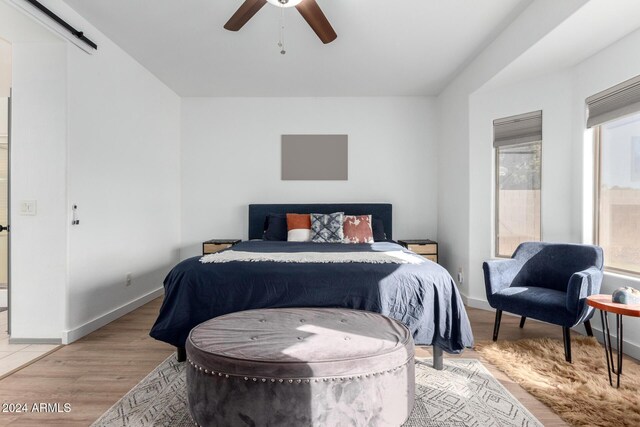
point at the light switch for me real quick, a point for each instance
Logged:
(28, 207)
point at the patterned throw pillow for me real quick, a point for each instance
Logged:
(327, 228)
(298, 227)
(357, 229)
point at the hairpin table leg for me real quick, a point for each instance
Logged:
(620, 341)
(605, 304)
(607, 347)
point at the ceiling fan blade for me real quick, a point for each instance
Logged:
(314, 16)
(244, 13)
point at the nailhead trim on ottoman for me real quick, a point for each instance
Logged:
(302, 367)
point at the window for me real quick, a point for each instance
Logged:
(518, 144)
(614, 115)
(617, 207)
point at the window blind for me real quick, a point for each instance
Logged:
(613, 103)
(517, 129)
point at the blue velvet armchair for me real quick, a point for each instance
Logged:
(548, 282)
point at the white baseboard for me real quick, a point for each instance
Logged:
(53, 341)
(75, 334)
(481, 304)
(629, 348)
(475, 302)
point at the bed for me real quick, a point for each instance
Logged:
(421, 294)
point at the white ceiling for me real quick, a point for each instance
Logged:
(400, 47)
(590, 29)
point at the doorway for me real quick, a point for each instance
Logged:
(4, 205)
(14, 353)
(5, 93)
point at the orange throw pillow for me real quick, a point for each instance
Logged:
(298, 227)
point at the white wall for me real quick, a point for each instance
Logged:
(231, 157)
(102, 132)
(552, 95)
(124, 176)
(566, 162)
(5, 68)
(455, 213)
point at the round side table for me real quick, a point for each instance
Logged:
(605, 305)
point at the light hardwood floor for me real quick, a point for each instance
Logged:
(94, 372)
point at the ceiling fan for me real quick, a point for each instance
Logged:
(309, 10)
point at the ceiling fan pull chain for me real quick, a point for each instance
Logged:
(281, 43)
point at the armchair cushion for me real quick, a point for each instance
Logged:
(543, 304)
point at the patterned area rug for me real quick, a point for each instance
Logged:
(463, 394)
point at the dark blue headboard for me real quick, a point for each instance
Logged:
(258, 213)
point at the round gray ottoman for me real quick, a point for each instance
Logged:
(300, 367)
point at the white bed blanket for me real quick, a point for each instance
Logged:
(391, 257)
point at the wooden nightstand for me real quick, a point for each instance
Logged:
(425, 247)
(216, 245)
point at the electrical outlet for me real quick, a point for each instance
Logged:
(460, 276)
(127, 279)
(28, 207)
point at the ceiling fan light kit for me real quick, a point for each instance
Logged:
(309, 10)
(285, 3)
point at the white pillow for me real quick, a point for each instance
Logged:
(299, 235)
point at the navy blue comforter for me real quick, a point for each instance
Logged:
(423, 297)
